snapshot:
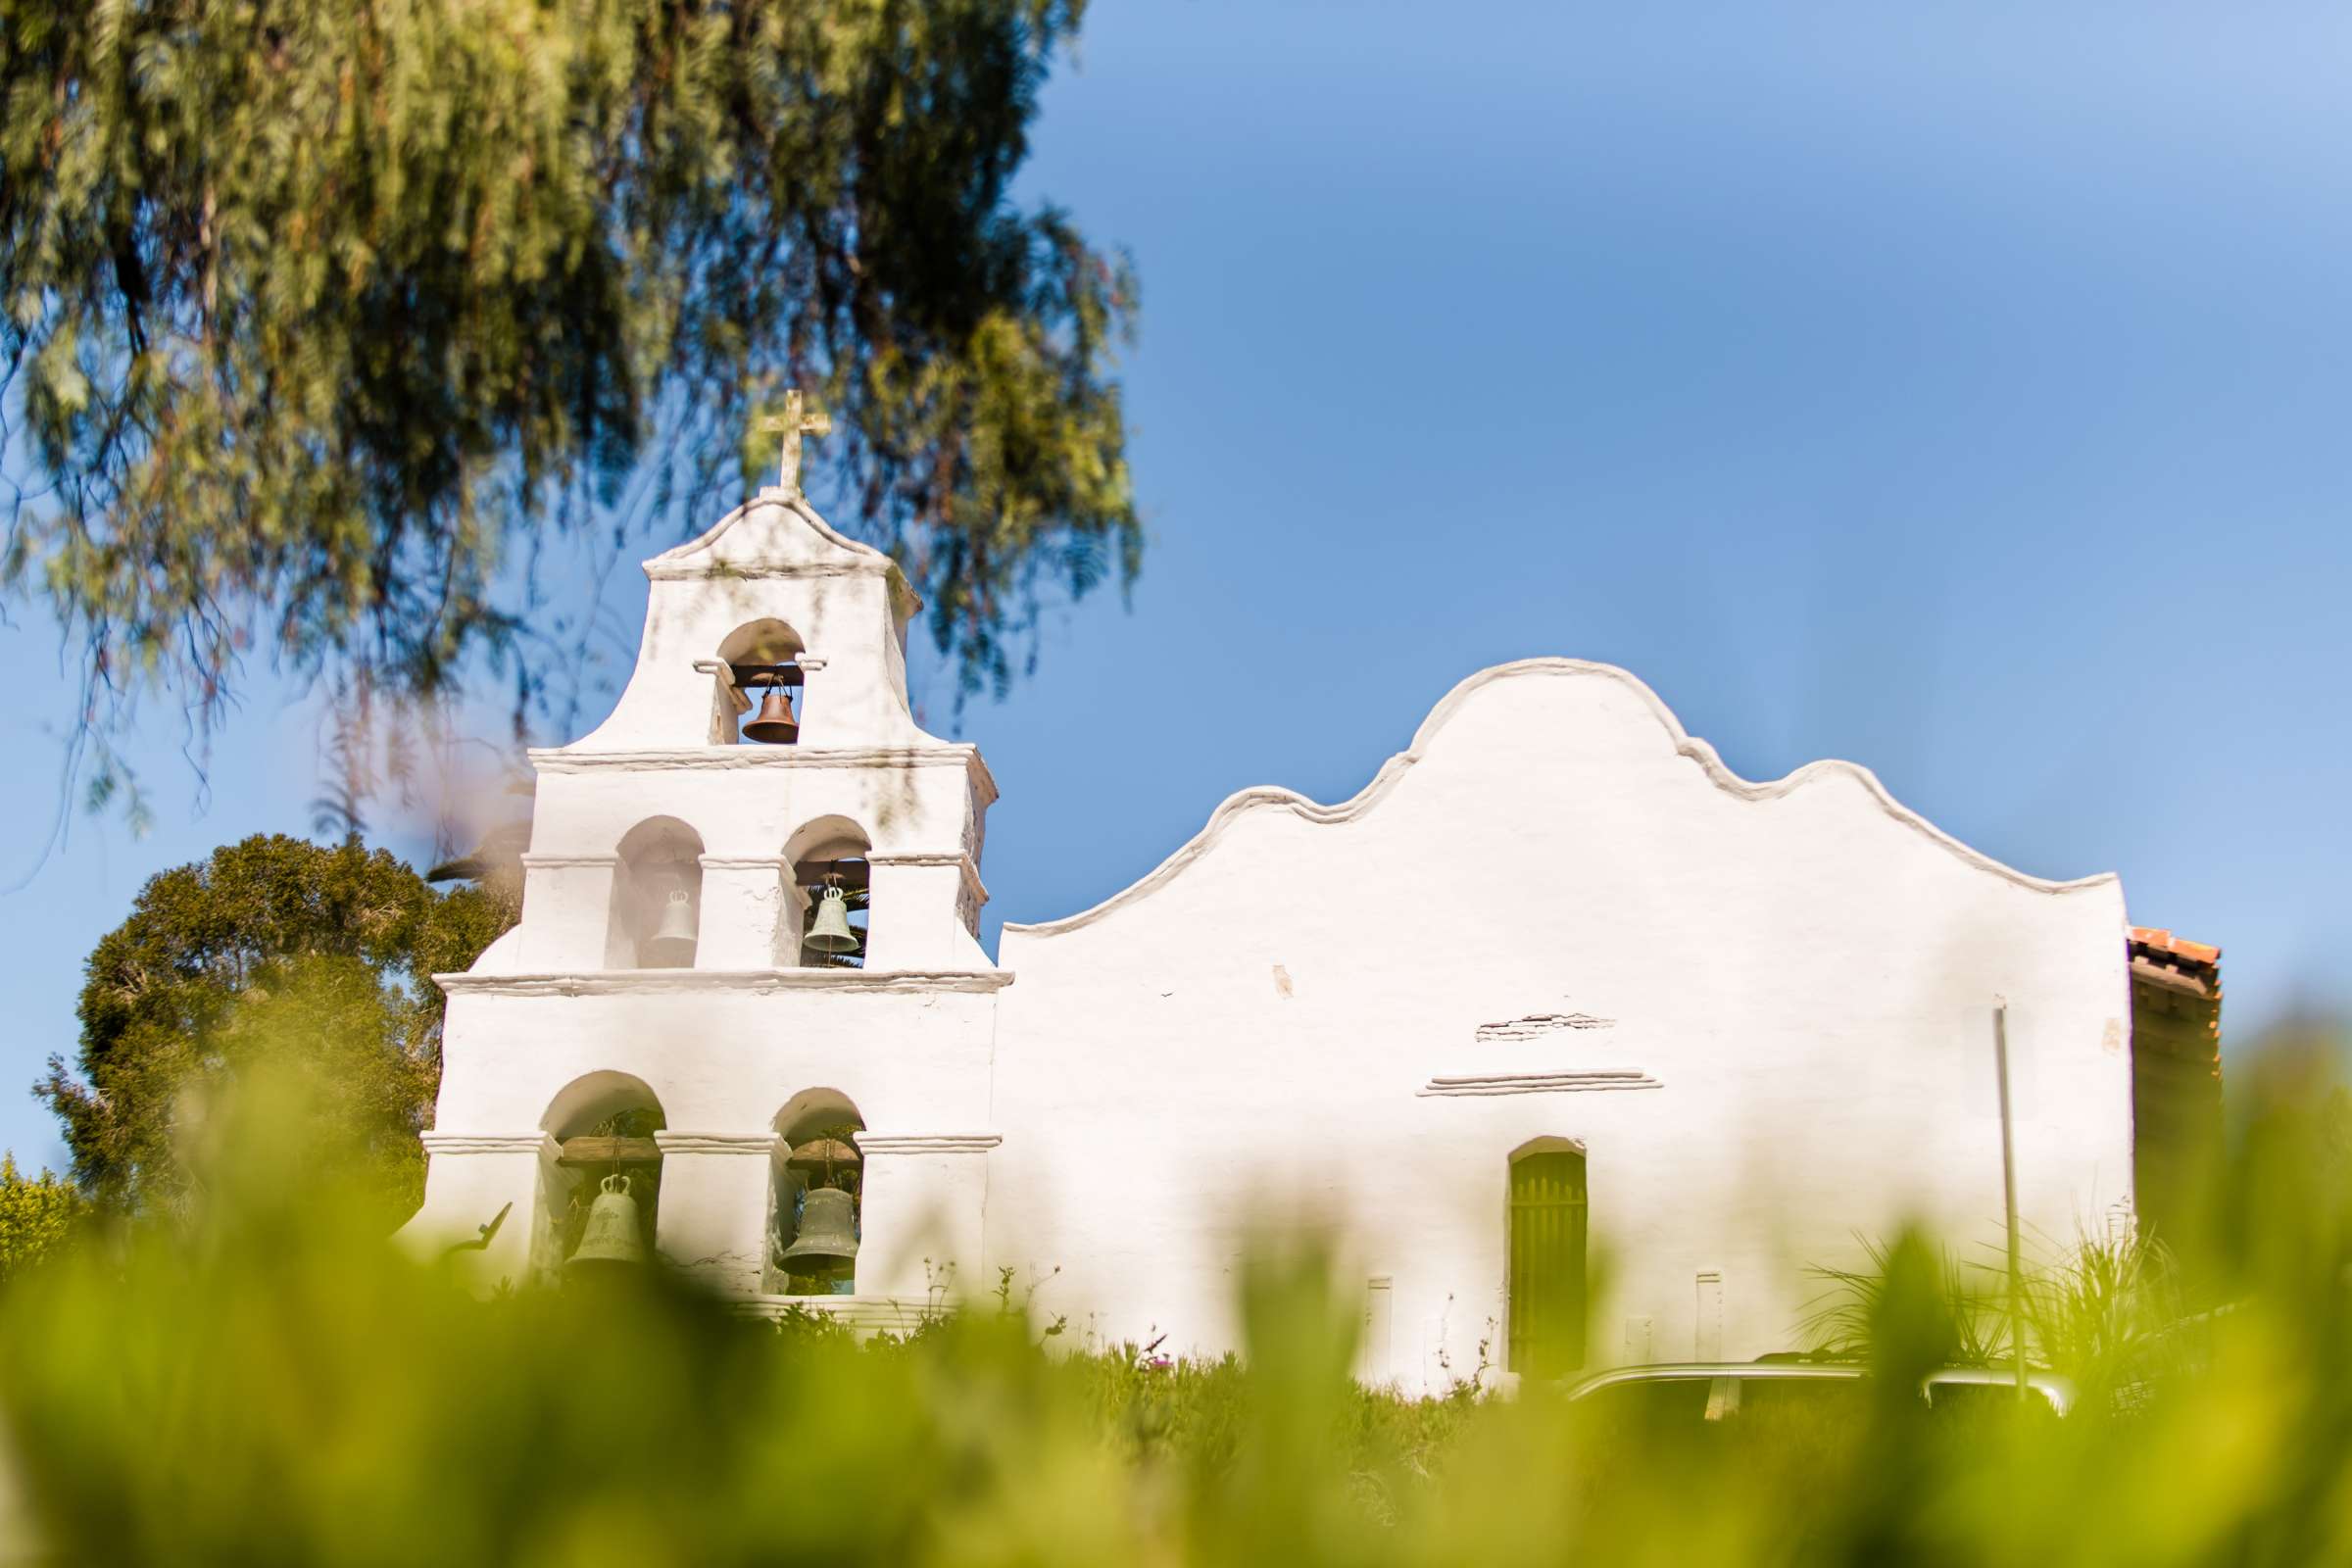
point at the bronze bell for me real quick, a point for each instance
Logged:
(671, 946)
(775, 724)
(827, 1243)
(830, 932)
(611, 1237)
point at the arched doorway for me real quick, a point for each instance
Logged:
(1548, 1300)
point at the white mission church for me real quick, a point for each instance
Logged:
(1706, 1031)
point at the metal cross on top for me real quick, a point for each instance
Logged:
(792, 424)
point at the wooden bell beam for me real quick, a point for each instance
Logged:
(596, 1150)
(852, 874)
(751, 676)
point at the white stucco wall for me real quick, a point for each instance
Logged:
(1804, 970)
(1791, 984)
(723, 1059)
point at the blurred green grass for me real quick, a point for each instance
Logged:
(274, 1384)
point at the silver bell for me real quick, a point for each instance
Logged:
(830, 932)
(671, 946)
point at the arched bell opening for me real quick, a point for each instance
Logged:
(603, 1151)
(656, 910)
(816, 1196)
(829, 866)
(758, 686)
(1547, 1302)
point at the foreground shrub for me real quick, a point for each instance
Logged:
(276, 1386)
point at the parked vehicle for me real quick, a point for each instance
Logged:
(1694, 1391)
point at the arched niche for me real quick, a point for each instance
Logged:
(831, 852)
(599, 1124)
(750, 659)
(812, 1115)
(657, 859)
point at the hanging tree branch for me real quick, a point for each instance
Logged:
(316, 318)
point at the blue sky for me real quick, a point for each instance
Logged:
(1957, 390)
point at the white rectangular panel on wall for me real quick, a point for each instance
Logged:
(1372, 1357)
(1707, 1339)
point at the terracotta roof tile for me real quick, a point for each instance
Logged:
(2158, 939)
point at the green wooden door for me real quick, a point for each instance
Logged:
(1547, 1264)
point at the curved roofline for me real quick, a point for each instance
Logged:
(791, 501)
(1275, 798)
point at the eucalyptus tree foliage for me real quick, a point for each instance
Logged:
(322, 318)
(271, 953)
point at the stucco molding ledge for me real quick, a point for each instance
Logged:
(1274, 798)
(437, 1142)
(686, 1143)
(927, 1143)
(1587, 1081)
(665, 982)
(865, 1315)
(755, 570)
(729, 759)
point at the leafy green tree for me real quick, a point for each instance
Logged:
(37, 1215)
(318, 319)
(316, 958)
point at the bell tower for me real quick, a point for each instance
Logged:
(749, 918)
(768, 715)
(769, 601)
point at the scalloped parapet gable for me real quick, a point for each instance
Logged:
(1573, 740)
(1764, 1011)
(771, 560)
